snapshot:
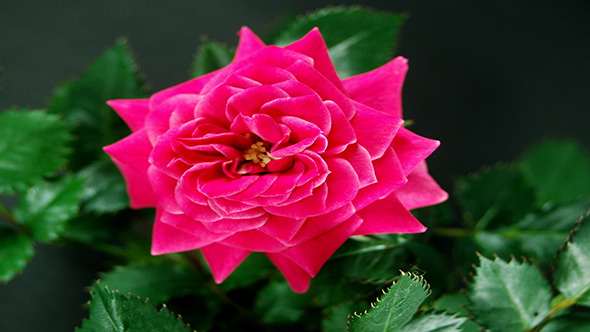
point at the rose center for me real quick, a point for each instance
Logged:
(258, 154)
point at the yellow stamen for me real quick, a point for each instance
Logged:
(257, 154)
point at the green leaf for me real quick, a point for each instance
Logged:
(509, 296)
(494, 197)
(455, 303)
(358, 40)
(435, 322)
(32, 145)
(369, 258)
(335, 319)
(572, 275)
(105, 190)
(571, 323)
(156, 282)
(83, 102)
(16, 250)
(110, 311)
(210, 57)
(45, 209)
(277, 304)
(559, 171)
(395, 308)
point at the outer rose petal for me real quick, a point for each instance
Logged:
(388, 215)
(249, 44)
(131, 156)
(162, 233)
(223, 260)
(421, 189)
(132, 111)
(381, 88)
(297, 278)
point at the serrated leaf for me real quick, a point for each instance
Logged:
(367, 258)
(509, 296)
(16, 250)
(112, 76)
(495, 197)
(110, 311)
(435, 322)
(395, 308)
(45, 209)
(278, 304)
(105, 190)
(559, 171)
(455, 303)
(156, 282)
(572, 276)
(579, 322)
(33, 144)
(358, 40)
(210, 57)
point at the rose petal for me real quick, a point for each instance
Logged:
(380, 88)
(132, 111)
(131, 155)
(411, 149)
(249, 44)
(375, 130)
(297, 278)
(421, 189)
(312, 255)
(168, 239)
(313, 45)
(223, 260)
(388, 215)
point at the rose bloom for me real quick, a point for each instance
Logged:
(274, 153)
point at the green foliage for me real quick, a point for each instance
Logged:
(46, 208)
(509, 296)
(83, 102)
(572, 276)
(434, 322)
(395, 308)
(277, 304)
(157, 282)
(110, 311)
(358, 40)
(16, 249)
(105, 190)
(33, 144)
(559, 171)
(211, 56)
(494, 197)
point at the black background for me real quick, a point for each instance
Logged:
(487, 78)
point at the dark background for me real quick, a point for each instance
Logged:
(487, 78)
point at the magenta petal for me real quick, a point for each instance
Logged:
(375, 130)
(282, 228)
(390, 176)
(248, 45)
(312, 255)
(132, 111)
(223, 260)
(421, 189)
(313, 45)
(168, 239)
(193, 86)
(254, 240)
(388, 215)
(381, 88)
(164, 187)
(360, 159)
(412, 149)
(316, 226)
(131, 155)
(297, 278)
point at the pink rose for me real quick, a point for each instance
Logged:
(275, 154)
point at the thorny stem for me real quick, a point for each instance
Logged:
(216, 290)
(11, 220)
